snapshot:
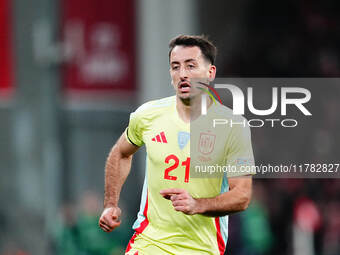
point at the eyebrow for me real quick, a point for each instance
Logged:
(186, 61)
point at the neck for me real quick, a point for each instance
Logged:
(190, 109)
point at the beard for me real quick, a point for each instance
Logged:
(191, 99)
(186, 100)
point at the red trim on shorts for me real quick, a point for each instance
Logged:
(220, 241)
(141, 228)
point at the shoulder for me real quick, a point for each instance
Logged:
(154, 107)
(236, 124)
(225, 112)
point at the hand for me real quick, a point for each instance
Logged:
(109, 219)
(181, 200)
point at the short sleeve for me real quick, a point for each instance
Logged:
(239, 152)
(134, 132)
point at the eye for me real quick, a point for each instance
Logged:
(175, 68)
(191, 66)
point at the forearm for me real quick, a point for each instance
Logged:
(117, 169)
(233, 201)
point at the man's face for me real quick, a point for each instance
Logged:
(187, 66)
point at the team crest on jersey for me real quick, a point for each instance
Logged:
(183, 138)
(206, 143)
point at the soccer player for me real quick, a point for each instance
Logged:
(180, 214)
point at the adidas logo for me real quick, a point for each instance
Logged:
(160, 138)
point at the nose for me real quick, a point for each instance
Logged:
(183, 74)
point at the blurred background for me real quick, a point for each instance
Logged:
(71, 71)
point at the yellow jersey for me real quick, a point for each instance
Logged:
(159, 229)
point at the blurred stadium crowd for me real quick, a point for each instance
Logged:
(292, 39)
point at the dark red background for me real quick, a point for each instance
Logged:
(6, 72)
(89, 13)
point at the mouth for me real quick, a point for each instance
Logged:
(184, 87)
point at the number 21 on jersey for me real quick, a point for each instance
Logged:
(174, 160)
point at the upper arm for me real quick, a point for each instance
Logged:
(242, 184)
(124, 147)
(132, 138)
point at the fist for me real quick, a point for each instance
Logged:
(109, 219)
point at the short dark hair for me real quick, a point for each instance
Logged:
(208, 49)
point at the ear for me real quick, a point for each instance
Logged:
(212, 72)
